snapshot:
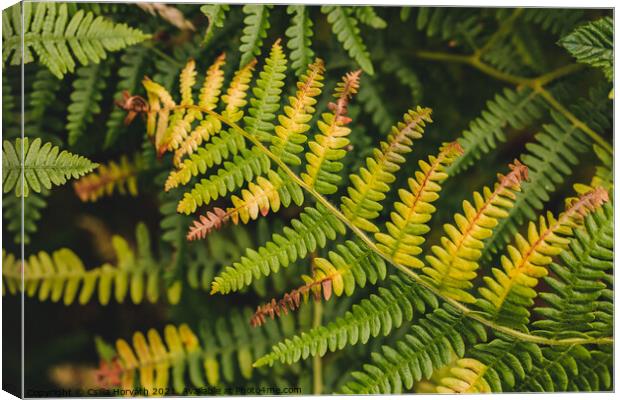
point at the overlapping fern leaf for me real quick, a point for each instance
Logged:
(592, 44)
(61, 276)
(108, 178)
(44, 166)
(59, 40)
(184, 358)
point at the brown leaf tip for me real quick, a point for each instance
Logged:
(518, 173)
(207, 223)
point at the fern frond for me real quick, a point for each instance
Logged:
(593, 44)
(216, 13)
(290, 136)
(515, 108)
(408, 221)
(85, 99)
(62, 276)
(120, 177)
(490, 368)
(453, 265)
(44, 166)
(369, 186)
(344, 26)
(44, 89)
(428, 346)
(572, 305)
(368, 16)
(256, 26)
(209, 356)
(12, 214)
(300, 38)
(353, 264)
(377, 315)
(508, 296)
(244, 167)
(237, 92)
(549, 158)
(208, 98)
(327, 147)
(267, 91)
(371, 96)
(213, 153)
(557, 21)
(59, 40)
(312, 230)
(560, 368)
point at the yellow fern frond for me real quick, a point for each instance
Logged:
(466, 376)
(289, 138)
(328, 146)
(212, 86)
(160, 103)
(121, 176)
(153, 356)
(511, 292)
(237, 92)
(259, 197)
(187, 80)
(407, 227)
(208, 98)
(369, 186)
(454, 263)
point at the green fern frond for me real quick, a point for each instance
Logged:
(256, 26)
(344, 26)
(43, 94)
(453, 264)
(300, 38)
(490, 368)
(327, 148)
(44, 166)
(59, 40)
(404, 233)
(244, 167)
(515, 108)
(428, 346)
(406, 75)
(509, 295)
(87, 93)
(370, 185)
(549, 158)
(368, 16)
(34, 204)
(371, 96)
(312, 230)
(577, 284)
(603, 175)
(216, 13)
(290, 133)
(62, 276)
(557, 21)
(593, 44)
(267, 91)
(376, 315)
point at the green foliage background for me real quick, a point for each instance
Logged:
(409, 57)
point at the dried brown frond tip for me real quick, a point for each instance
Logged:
(134, 105)
(588, 202)
(207, 223)
(518, 173)
(452, 149)
(292, 300)
(343, 92)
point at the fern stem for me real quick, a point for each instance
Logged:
(503, 29)
(317, 365)
(574, 120)
(371, 244)
(534, 83)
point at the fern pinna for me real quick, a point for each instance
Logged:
(264, 170)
